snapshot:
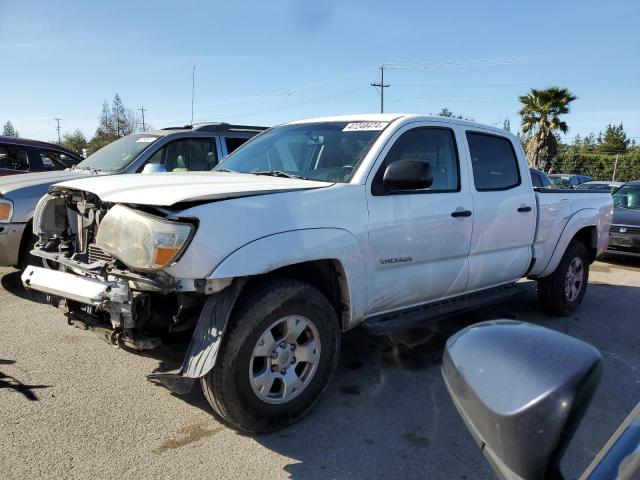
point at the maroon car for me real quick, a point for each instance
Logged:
(19, 155)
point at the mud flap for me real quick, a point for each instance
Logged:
(203, 348)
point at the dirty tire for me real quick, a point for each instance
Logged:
(28, 243)
(227, 387)
(552, 294)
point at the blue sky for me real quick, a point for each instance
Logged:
(269, 62)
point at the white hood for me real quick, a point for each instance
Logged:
(166, 189)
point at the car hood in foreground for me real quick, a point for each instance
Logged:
(166, 189)
(626, 216)
(26, 180)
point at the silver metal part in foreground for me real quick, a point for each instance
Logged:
(284, 359)
(574, 279)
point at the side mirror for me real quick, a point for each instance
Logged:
(154, 168)
(407, 175)
(521, 390)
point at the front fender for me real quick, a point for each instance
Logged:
(269, 253)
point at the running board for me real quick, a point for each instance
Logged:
(401, 320)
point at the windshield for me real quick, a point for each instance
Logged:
(562, 182)
(627, 196)
(329, 151)
(117, 155)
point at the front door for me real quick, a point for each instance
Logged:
(420, 250)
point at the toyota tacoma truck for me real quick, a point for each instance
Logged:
(304, 232)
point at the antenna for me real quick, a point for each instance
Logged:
(193, 90)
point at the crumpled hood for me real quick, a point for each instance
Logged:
(166, 189)
(25, 180)
(626, 216)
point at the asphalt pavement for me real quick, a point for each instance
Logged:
(72, 406)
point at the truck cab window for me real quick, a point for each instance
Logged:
(433, 145)
(494, 162)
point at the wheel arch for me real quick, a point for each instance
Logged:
(330, 259)
(580, 227)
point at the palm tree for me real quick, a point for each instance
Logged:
(540, 112)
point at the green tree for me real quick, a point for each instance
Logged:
(445, 112)
(614, 139)
(540, 112)
(74, 141)
(9, 130)
(114, 122)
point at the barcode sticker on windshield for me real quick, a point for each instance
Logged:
(145, 139)
(358, 126)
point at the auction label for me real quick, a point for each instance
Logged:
(361, 126)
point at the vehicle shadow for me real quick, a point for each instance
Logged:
(387, 413)
(386, 410)
(12, 283)
(12, 383)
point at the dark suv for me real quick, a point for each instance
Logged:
(19, 155)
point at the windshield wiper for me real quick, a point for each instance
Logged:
(279, 173)
(91, 169)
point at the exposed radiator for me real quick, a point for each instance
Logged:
(96, 254)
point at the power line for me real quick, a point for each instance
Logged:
(58, 127)
(142, 109)
(382, 86)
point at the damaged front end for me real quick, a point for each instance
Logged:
(103, 267)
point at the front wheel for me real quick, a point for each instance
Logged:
(277, 356)
(561, 292)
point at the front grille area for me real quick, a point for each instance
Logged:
(625, 229)
(96, 254)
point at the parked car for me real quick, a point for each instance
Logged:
(522, 391)
(539, 179)
(179, 149)
(625, 231)
(600, 185)
(563, 180)
(307, 230)
(20, 155)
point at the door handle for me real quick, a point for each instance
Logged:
(461, 213)
(524, 209)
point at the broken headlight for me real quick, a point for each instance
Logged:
(142, 241)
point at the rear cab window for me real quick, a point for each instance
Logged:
(233, 143)
(494, 162)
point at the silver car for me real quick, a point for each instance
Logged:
(190, 148)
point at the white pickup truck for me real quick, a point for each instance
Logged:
(308, 230)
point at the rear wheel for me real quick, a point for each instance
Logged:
(561, 292)
(277, 356)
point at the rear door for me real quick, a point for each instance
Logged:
(420, 239)
(504, 215)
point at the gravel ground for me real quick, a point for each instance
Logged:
(72, 406)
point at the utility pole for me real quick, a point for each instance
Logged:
(382, 86)
(142, 109)
(615, 167)
(193, 90)
(58, 127)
